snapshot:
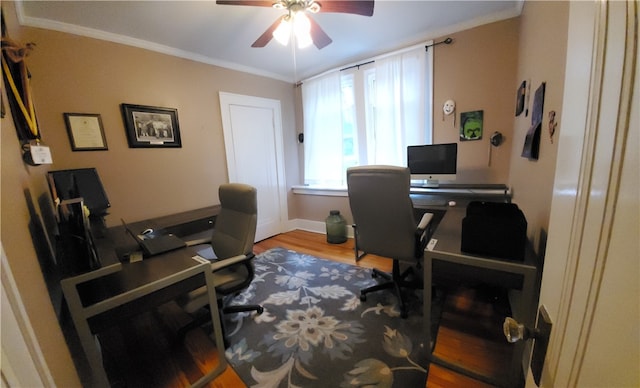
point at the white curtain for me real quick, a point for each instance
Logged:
(321, 101)
(397, 111)
(402, 107)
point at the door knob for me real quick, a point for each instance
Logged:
(515, 331)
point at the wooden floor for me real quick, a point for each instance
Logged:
(145, 353)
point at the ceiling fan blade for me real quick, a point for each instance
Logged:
(254, 3)
(319, 37)
(267, 35)
(357, 7)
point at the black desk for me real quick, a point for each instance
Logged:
(118, 291)
(444, 252)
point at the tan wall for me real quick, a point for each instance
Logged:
(482, 70)
(541, 58)
(21, 186)
(76, 74)
(478, 71)
(20, 191)
(142, 182)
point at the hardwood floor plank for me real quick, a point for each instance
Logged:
(440, 377)
(470, 332)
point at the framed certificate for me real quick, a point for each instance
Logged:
(85, 131)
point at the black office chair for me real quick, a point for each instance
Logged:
(230, 251)
(384, 224)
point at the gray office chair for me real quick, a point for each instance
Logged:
(230, 250)
(384, 224)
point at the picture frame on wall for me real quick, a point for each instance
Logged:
(85, 131)
(531, 147)
(471, 125)
(520, 96)
(151, 126)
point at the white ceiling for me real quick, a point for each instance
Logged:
(222, 34)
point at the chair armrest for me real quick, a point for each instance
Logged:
(221, 264)
(421, 233)
(424, 222)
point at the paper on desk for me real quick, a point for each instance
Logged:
(432, 244)
(135, 257)
(201, 259)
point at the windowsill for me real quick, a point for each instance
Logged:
(320, 190)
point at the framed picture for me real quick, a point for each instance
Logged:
(85, 131)
(151, 126)
(471, 125)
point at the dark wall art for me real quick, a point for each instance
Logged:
(151, 126)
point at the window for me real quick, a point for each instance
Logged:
(366, 115)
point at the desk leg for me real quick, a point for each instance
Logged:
(217, 328)
(87, 340)
(433, 359)
(426, 314)
(426, 309)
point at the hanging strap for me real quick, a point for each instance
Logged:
(29, 115)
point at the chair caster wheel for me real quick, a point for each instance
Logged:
(260, 310)
(363, 297)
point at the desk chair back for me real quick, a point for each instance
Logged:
(233, 235)
(235, 228)
(231, 252)
(382, 210)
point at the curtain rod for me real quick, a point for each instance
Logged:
(358, 65)
(446, 41)
(416, 46)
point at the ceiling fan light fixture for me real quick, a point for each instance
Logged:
(281, 28)
(302, 29)
(301, 24)
(313, 7)
(304, 40)
(283, 33)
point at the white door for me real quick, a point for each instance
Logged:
(252, 129)
(591, 280)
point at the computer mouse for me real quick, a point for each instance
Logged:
(147, 231)
(452, 203)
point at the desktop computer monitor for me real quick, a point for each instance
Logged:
(431, 163)
(80, 182)
(76, 252)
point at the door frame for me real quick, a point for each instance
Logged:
(595, 127)
(227, 99)
(23, 363)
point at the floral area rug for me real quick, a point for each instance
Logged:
(315, 331)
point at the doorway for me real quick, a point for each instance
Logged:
(253, 139)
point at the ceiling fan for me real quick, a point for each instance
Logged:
(306, 30)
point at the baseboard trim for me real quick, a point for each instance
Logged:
(312, 226)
